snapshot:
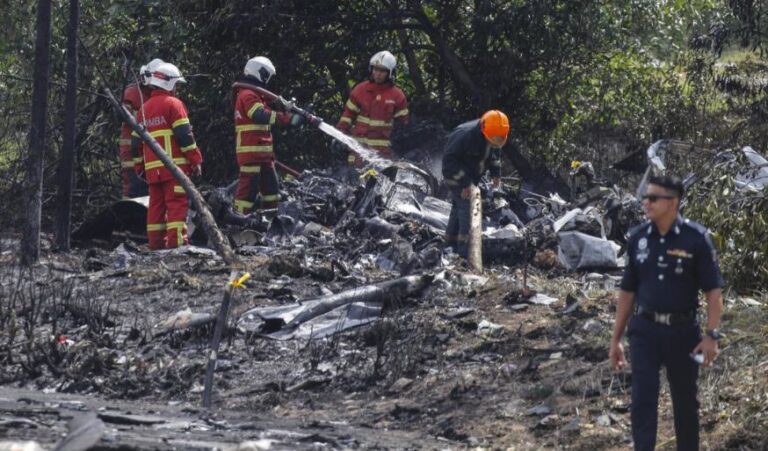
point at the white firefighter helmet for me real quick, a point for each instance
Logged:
(384, 60)
(146, 70)
(261, 68)
(165, 76)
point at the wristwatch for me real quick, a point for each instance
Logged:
(713, 334)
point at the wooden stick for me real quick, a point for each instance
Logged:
(475, 239)
(218, 332)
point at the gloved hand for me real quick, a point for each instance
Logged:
(282, 104)
(338, 146)
(466, 192)
(297, 120)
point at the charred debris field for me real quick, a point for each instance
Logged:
(354, 331)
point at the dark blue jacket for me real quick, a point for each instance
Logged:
(666, 272)
(467, 156)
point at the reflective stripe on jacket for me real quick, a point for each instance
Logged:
(371, 111)
(167, 121)
(253, 127)
(468, 155)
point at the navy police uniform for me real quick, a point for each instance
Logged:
(665, 273)
(467, 156)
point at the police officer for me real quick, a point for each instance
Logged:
(669, 260)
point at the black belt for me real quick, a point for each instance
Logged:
(666, 318)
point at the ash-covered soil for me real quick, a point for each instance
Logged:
(471, 361)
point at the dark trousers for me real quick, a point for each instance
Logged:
(457, 232)
(136, 186)
(652, 345)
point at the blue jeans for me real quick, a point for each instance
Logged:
(457, 232)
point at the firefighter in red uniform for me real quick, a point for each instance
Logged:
(165, 118)
(133, 97)
(373, 108)
(254, 118)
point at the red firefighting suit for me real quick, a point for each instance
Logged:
(253, 144)
(370, 113)
(133, 96)
(165, 118)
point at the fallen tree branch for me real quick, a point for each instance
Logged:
(220, 244)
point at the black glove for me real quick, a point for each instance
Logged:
(282, 104)
(338, 146)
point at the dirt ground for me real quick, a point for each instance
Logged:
(467, 364)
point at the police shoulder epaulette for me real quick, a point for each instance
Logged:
(695, 226)
(634, 230)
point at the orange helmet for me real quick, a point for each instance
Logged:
(495, 127)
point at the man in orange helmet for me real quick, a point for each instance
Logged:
(472, 148)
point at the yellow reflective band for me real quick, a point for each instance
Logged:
(255, 107)
(125, 142)
(250, 169)
(179, 226)
(182, 121)
(346, 119)
(401, 113)
(258, 149)
(273, 118)
(373, 122)
(351, 158)
(251, 127)
(352, 106)
(192, 146)
(240, 148)
(376, 142)
(127, 164)
(155, 227)
(270, 197)
(158, 164)
(134, 134)
(138, 160)
(179, 190)
(241, 205)
(162, 133)
(166, 134)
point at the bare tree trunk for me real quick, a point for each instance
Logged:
(33, 191)
(413, 65)
(67, 159)
(475, 239)
(448, 56)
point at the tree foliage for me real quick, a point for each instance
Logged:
(582, 79)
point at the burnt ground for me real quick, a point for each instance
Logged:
(468, 363)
